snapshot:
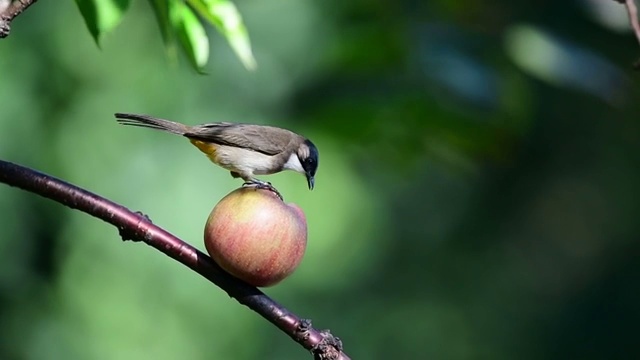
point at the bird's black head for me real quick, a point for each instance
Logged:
(309, 160)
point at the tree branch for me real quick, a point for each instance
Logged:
(9, 13)
(633, 17)
(632, 10)
(137, 227)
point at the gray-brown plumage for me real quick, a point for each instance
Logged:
(244, 149)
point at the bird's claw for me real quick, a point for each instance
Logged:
(263, 185)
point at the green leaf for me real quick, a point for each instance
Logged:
(102, 16)
(224, 15)
(161, 10)
(191, 33)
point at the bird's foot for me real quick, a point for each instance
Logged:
(257, 184)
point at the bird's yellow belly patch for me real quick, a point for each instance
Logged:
(208, 148)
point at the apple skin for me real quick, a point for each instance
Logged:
(255, 236)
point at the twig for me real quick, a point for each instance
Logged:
(632, 10)
(633, 17)
(14, 9)
(137, 227)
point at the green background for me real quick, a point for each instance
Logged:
(477, 196)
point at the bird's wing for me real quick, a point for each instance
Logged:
(265, 139)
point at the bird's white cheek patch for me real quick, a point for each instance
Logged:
(294, 164)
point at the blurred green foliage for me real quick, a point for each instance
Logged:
(476, 196)
(177, 21)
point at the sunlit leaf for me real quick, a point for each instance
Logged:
(161, 10)
(191, 33)
(102, 16)
(225, 16)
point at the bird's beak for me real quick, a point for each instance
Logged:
(311, 181)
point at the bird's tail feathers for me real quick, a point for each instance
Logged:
(152, 122)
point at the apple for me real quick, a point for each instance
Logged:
(255, 236)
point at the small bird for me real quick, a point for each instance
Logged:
(244, 149)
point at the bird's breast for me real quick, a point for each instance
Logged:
(240, 160)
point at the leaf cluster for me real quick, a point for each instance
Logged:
(181, 23)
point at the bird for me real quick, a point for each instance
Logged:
(246, 150)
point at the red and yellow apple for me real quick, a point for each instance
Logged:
(255, 236)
